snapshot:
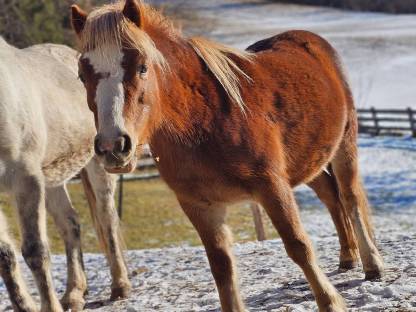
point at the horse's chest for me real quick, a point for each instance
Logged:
(199, 179)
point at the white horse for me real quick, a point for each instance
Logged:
(46, 137)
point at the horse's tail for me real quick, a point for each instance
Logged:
(349, 148)
(365, 209)
(345, 165)
(344, 215)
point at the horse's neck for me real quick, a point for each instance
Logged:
(188, 93)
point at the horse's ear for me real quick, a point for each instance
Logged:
(132, 12)
(78, 18)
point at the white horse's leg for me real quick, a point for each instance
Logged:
(107, 224)
(29, 191)
(10, 272)
(66, 218)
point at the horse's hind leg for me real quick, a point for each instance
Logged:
(277, 198)
(326, 189)
(10, 272)
(100, 188)
(29, 192)
(345, 166)
(210, 223)
(60, 208)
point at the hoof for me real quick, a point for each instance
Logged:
(57, 307)
(335, 309)
(331, 301)
(375, 269)
(373, 275)
(347, 265)
(120, 293)
(337, 305)
(27, 308)
(73, 302)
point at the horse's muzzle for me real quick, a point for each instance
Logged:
(128, 168)
(116, 154)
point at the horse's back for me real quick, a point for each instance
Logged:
(63, 54)
(308, 100)
(43, 110)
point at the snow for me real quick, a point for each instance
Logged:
(378, 50)
(388, 167)
(179, 279)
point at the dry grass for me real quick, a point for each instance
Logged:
(152, 218)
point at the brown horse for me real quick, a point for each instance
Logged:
(228, 126)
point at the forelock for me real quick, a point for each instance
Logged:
(107, 31)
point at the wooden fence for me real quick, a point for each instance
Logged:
(146, 169)
(371, 121)
(387, 121)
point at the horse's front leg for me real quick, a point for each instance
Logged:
(29, 191)
(10, 272)
(278, 200)
(60, 208)
(217, 239)
(100, 188)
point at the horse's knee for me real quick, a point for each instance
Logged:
(299, 250)
(7, 257)
(35, 254)
(74, 227)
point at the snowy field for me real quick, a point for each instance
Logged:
(379, 50)
(379, 53)
(179, 279)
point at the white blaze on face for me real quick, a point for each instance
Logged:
(109, 96)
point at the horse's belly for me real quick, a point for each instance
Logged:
(66, 166)
(306, 162)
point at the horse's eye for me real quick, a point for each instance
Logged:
(142, 69)
(81, 77)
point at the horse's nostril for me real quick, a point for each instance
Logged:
(127, 144)
(122, 146)
(97, 148)
(119, 145)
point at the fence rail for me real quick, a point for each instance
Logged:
(147, 163)
(371, 121)
(387, 121)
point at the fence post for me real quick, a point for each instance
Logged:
(120, 196)
(257, 211)
(412, 121)
(376, 125)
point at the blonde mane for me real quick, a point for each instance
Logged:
(106, 27)
(227, 72)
